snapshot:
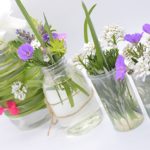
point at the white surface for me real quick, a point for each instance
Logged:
(67, 16)
(101, 138)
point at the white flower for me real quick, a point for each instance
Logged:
(88, 47)
(19, 91)
(16, 86)
(142, 67)
(147, 42)
(21, 95)
(46, 58)
(112, 34)
(35, 44)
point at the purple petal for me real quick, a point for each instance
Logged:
(133, 38)
(59, 36)
(25, 52)
(146, 28)
(120, 68)
(46, 37)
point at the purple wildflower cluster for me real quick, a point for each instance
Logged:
(25, 51)
(26, 36)
(135, 38)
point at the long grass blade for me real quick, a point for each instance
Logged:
(86, 39)
(29, 20)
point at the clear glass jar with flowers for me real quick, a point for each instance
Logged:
(70, 99)
(137, 58)
(21, 96)
(107, 71)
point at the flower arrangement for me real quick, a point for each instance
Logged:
(137, 59)
(107, 70)
(16, 83)
(137, 53)
(101, 54)
(44, 48)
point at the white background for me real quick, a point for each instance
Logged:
(67, 16)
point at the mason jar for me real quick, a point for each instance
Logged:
(143, 89)
(70, 98)
(32, 110)
(119, 101)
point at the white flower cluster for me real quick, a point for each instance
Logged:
(147, 42)
(19, 91)
(35, 44)
(88, 49)
(112, 34)
(141, 69)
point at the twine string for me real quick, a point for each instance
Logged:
(55, 118)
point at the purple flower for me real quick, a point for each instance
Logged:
(25, 52)
(61, 36)
(133, 38)
(146, 28)
(45, 37)
(120, 68)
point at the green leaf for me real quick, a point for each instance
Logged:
(86, 25)
(29, 20)
(75, 85)
(69, 94)
(100, 58)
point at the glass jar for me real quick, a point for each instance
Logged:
(70, 98)
(32, 110)
(31, 120)
(143, 88)
(119, 101)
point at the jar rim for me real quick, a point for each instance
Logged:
(53, 66)
(104, 75)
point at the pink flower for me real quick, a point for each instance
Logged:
(11, 108)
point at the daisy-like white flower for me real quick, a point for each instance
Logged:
(35, 44)
(112, 34)
(19, 90)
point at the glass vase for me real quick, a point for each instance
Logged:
(143, 88)
(119, 101)
(32, 110)
(31, 120)
(70, 98)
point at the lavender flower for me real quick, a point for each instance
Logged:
(61, 36)
(146, 28)
(133, 38)
(25, 52)
(46, 37)
(25, 36)
(120, 68)
(41, 29)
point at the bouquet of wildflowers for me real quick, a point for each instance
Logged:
(137, 53)
(137, 59)
(99, 57)
(107, 71)
(44, 48)
(16, 83)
